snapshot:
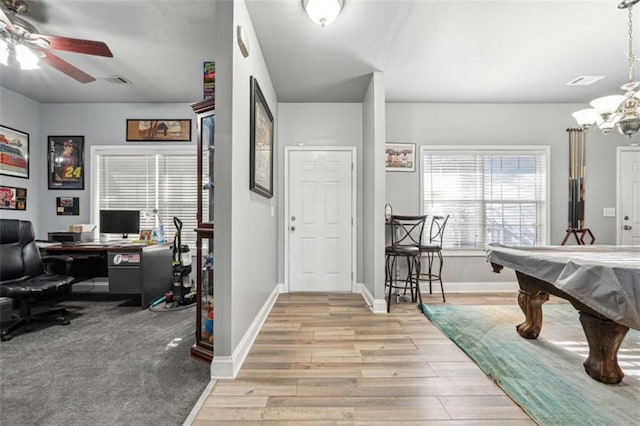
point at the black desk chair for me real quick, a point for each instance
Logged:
(406, 235)
(434, 248)
(24, 278)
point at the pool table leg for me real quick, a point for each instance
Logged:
(531, 304)
(604, 338)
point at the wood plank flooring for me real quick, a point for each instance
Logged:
(325, 359)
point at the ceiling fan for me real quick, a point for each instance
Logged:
(21, 37)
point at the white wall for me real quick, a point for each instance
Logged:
(23, 114)
(320, 125)
(499, 124)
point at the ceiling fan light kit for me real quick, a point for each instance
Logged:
(621, 111)
(22, 44)
(322, 12)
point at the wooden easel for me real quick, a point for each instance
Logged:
(579, 234)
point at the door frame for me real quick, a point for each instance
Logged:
(354, 199)
(620, 152)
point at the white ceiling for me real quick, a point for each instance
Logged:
(430, 51)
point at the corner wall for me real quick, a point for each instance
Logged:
(21, 113)
(246, 255)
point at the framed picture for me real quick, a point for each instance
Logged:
(12, 198)
(68, 206)
(261, 142)
(14, 152)
(400, 157)
(159, 130)
(65, 162)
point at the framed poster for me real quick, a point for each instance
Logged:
(159, 130)
(68, 206)
(12, 198)
(400, 157)
(14, 152)
(65, 160)
(209, 79)
(261, 142)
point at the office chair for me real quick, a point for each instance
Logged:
(27, 278)
(434, 248)
(406, 234)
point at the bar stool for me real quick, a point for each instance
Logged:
(434, 248)
(406, 234)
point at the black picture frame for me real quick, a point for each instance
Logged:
(158, 130)
(14, 146)
(261, 142)
(65, 162)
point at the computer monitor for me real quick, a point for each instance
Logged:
(121, 222)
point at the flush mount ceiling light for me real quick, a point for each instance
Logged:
(323, 12)
(621, 111)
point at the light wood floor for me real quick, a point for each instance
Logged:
(325, 359)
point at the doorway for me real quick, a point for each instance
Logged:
(319, 222)
(628, 214)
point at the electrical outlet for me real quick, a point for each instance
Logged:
(609, 212)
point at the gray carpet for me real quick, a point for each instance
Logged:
(115, 364)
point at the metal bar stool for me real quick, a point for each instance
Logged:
(406, 235)
(434, 248)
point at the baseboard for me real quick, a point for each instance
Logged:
(227, 367)
(377, 306)
(199, 403)
(471, 287)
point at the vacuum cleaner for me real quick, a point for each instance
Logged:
(181, 292)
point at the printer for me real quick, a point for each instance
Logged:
(75, 234)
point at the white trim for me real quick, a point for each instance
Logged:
(377, 306)
(619, 151)
(472, 287)
(227, 367)
(354, 211)
(199, 403)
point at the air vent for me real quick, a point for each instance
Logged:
(114, 79)
(585, 80)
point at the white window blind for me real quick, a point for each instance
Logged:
(493, 195)
(151, 180)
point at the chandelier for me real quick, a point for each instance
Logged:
(621, 111)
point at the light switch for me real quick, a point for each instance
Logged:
(273, 211)
(609, 212)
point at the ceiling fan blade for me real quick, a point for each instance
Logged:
(4, 18)
(65, 67)
(77, 45)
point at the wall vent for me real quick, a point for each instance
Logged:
(585, 80)
(114, 79)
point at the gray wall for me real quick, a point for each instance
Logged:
(23, 114)
(498, 124)
(320, 125)
(245, 231)
(374, 184)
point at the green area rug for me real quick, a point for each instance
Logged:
(544, 376)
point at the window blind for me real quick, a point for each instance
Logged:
(492, 195)
(151, 180)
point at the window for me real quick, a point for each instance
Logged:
(162, 179)
(492, 194)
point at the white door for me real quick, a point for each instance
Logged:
(629, 197)
(319, 222)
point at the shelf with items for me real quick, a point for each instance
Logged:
(205, 314)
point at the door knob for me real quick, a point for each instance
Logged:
(293, 228)
(627, 227)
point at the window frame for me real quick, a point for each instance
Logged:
(96, 150)
(502, 149)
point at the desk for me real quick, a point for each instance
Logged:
(131, 268)
(601, 282)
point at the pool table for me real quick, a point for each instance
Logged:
(601, 282)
